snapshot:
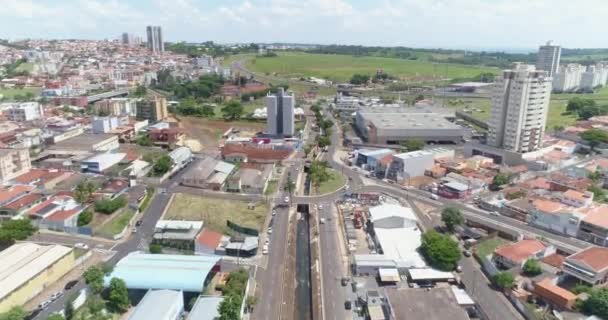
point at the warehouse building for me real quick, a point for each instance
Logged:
(101, 162)
(205, 308)
(159, 305)
(26, 269)
(179, 272)
(381, 127)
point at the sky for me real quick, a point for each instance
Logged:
(463, 24)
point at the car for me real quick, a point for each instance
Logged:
(494, 213)
(139, 223)
(458, 269)
(320, 206)
(344, 282)
(70, 284)
(33, 314)
(134, 230)
(81, 245)
(348, 305)
(56, 295)
(434, 197)
(269, 231)
(322, 221)
(466, 253)
(286, 199)
(274, 212)
(44, 304)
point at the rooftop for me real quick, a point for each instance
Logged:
(399, 120)
(205, 308)
(598, 216)
(84, 141)
(433, 304)
(593, 258)
(157, 304)
(520, 251)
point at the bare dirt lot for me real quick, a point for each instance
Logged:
(209, 131)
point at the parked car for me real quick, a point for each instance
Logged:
(70, 285)
(322, 221)
(56, 295)
(44, 304)
(344, 282)
(466, 253)
(348, 305)
(434, 197)
(33, 314)
(274, 212)
(286, 199)
(81, 245)
(139, 223)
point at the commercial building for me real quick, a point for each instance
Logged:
(589, 265)
(432, 304)
(520, 102)
(152, 108)
(155, 39)
(26, 269)
(415, 163)
(26, 111)
(13, 163)
(159, 305)
(382, 126)
(102, 142)
(205, 308)
(370, 159)
(280, 110)
(181, 234)
(101, 162)
(548, 58)
(108, 124)
(164, 271)
(207, 173)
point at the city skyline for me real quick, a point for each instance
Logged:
(423, 23)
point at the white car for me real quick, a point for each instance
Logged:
(265, 251)
(274, 212)
(320, 206)
(81, 245)
(322, 221)
(56, 295)
(269, 231)
(286, 199)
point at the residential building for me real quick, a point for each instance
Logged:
(594, 76)
(568, 77)
(130, 39)
(155, 39)
(181, 157)
(548, 58)
(177, 233)
(57, 212)
(26, 111)
(104, 124)
(116, 106)
(251, 178)
(160, 305)
(516, 254)
(555, 216)
(520, 102)
(26, 269)
(589, 265)
(280, 109)
(13, 163)
(152, 108)
(594, 226)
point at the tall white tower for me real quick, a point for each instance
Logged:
(155, 39)
(520, 102)
(548, 58)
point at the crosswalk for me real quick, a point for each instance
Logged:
(143, 245)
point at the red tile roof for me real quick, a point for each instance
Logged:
(63, 214)
(253, 153)
(209, 238)
(41, 175)
(555, 295)
(595, 258)
(24, 201)
(7, 194)
(555, 260)
(520, 251)
(597, 216)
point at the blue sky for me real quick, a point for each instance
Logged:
(417, 23)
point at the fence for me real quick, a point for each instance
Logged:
(59, 226)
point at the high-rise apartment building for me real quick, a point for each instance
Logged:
(130, 39)
(280, 110)
(152, 108)
(155, 39)
(548, 58)
(520, 102)
(568, 77)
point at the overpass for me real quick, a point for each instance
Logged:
(106, 95)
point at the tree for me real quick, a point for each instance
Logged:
(575, 104)
(156, 248)
(598, 193)
(359, 79)
(413, 144)
(140, 91)
(504, 280)
(233, 110)
(532, 268)
(307, 149)
(440, 250)
(55, 316)
(15, 313)
(85, 218)
(118, 297)
(290, 186)
(208, 111)
(250, 302)
(318, 174)
(418, 98)
(162, 165)
(323, 141)
(144, 141)
(11, 230)
(68, 309)
(229, 308)
(84, 191)
(109, 206)
(595, 176)
(94, 278)
(594, 137)
(597, 303)
(451, 217)
(500, 179)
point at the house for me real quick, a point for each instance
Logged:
(559, 298)
(44, 178)
(115, 187)
(594, 226)
(167, 137)
(555, 216)
(589, 265)
(251, 178)
(207, 241)
(516, 254)
(58, 211)
(207, 173)
(21, 204)
(577, 198)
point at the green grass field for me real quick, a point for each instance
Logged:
(487, 246)
(342, 67)
(271, 188)
(29, 67)
(215, 212)
(9, 93)
(117, 224)
(336, 181)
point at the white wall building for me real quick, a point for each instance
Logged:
(280, 110)
(594, 76)
(26, 111)
(548, 58)
(104, 124)
(568, 77)
(520, 102)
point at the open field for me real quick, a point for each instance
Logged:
(29, 67)
(487, 246)
(117, 224)
(209, 131)
(336, 181)
(271, 188)
(342, 67)
(215, 212)
(9, 93)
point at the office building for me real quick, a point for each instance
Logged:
(548, 58)
(130, 39)
(155, 39)
(568, 77)
(13, 163)
(280, 108)
(152, 108)
(520, 102)
(27, 111)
